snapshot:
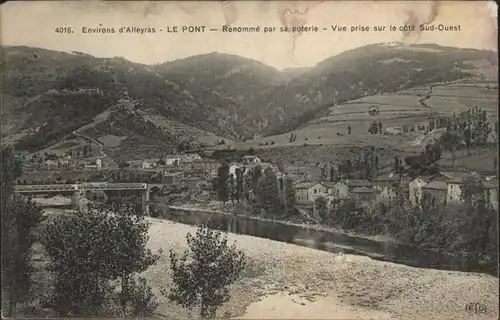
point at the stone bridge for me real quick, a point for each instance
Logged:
(74, 190)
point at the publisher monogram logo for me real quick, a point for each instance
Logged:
(476, 308)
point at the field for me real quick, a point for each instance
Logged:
(412, 107)
(481, 161)
(288, 281)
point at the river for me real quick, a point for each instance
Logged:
(328, 240)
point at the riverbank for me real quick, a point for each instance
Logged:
(316, 227)
(290, 281)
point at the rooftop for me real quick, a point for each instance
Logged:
(355, 183)
(363, 190)
(458, 176)
(426, 178)
(387, 177)
(436, 185)
(305, 185)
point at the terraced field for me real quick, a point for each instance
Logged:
(416, 106)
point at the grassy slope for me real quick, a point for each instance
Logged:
(49, 94)
(403, 107)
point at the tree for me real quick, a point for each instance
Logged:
(202, 274)
(255, 176)
(269, 198)
(450, 142)
(468, 138)
(333, 174)
(396, 165)
(89, 249)
(19, 216)
(472, 189)
(238, 190)
(123, 164)
(324, 173)
(321, 206)
(223, 177)
(231, 186)
(290, 195)
(282, 185)
(373, 128)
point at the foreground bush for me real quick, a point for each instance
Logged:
(90, 249)
(19, 217)
(202, 275)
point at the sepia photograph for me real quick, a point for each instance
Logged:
(249, 160)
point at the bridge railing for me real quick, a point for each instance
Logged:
(45, 187)
(113, 186)
(83, 186)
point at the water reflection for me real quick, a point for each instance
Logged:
(334, 242)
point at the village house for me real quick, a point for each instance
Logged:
(454, 182)
(51, 163)
(232, 169)
(340, 190)
(190, 157)
(446, 187)
(208, 165)
(246, 160)
(185, 166)
(436, 191)
(149, 163)
(173, 178)
(386, 185)
(364, 197)
(358, 183)
(415, 189)
(65, 160)
(172, 160)
(94, 164)
(308, 192)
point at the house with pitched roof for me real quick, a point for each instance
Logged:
(342, 188)
(250, 159)
(364, 197)
(386, 186)
(446, 186)
(415, 188)
(308, 192)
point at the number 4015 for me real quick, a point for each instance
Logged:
(64, 30)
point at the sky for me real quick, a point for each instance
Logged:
(33, 24)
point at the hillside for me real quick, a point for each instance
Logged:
(237, 79)
(48, 94)
(378, 68)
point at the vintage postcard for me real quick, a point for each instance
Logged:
(249, 159)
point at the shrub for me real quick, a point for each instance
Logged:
(201, 276)
(89, 249)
